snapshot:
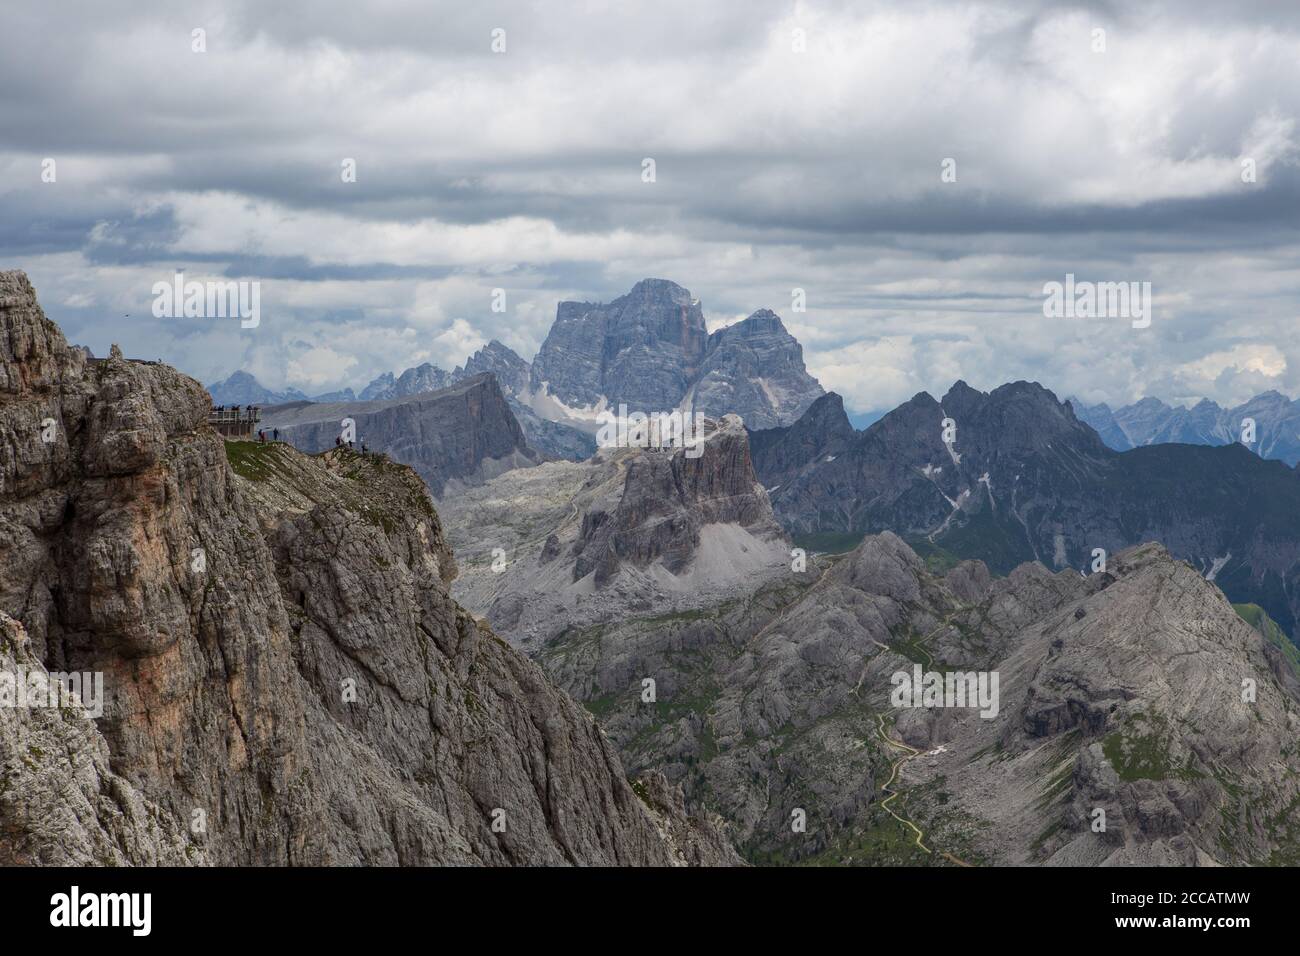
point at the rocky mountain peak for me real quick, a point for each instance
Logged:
(660, 291)
(822, 433)
(34, 355)
(828, 413)
(764, 321)
(668, 498)
(961, 394)
(1021, 415)
(380, 385)
(513, 373)
(651, 350)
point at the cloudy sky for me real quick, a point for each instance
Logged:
(775, 168)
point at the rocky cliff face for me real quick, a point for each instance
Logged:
(461, 435)
(651, 350)
(1024, 479)
(1150, 421)
(512, 372)
(61, 803)
(754, 369)
(287, 678)
(821, 435)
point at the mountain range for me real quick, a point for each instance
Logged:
(649, 349)
(1023, 479)
(1120, 703)
(241, 388)
(769, 670)
(1276, 421)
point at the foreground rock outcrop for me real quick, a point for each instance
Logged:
(287, 680)
(60, 801)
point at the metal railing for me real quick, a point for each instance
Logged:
(242, 415)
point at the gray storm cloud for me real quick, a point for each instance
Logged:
(795, 145)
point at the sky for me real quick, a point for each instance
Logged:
(919, 169)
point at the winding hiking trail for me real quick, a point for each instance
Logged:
(910, 753)
(893, 775)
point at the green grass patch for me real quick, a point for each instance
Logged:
(253, 460)
(1140, 751)
(1258, 618)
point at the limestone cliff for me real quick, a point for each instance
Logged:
(287, 680)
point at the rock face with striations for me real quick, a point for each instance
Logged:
(754, 369)
(651, 350)
(643, 349)
(460, 435)
(61, 803)
(279, 652)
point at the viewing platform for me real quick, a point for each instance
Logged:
(235, 421)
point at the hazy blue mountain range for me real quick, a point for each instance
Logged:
(242, 388)
(1151, 421)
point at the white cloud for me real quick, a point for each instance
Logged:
(317, 367)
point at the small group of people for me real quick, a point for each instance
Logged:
(339, 443)
(261, 434)
(251, 410)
